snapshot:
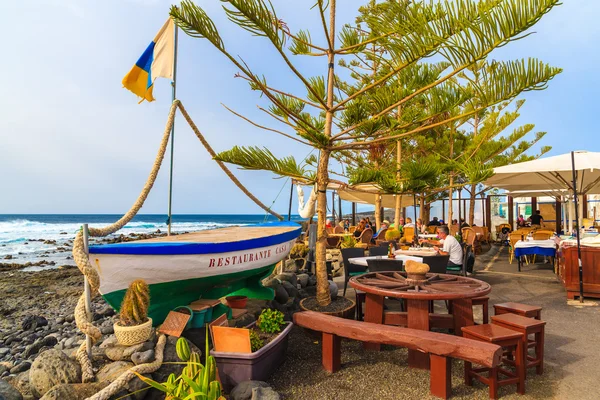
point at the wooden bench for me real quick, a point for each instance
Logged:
(440, 347)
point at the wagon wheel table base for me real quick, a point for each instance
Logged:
(418, 292)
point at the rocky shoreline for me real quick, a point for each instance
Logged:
(38, 335)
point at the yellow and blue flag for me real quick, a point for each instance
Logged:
(156, 61)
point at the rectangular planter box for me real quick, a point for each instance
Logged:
(238, 367)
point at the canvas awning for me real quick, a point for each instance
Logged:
(551, 173)
(366, 194)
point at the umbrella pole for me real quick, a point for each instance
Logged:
(578, 233)
(415, 208)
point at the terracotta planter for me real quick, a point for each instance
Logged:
(237, 301)
(347, 313)
(130, 335)
(238, 367)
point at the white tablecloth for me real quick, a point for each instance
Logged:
(548, 244)
(428, 236)
(362, 261)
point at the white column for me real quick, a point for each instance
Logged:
(564, 214)
(571, 213)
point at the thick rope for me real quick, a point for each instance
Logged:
(141, 369)
(83, 263)
(223, 166)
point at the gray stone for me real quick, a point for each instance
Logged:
(74, 391)
(312, 280)
(60, 320)
(51, 368)
(243, 390)
(33, 321)
(303, 279)
(107, 330)
(290, 289)
(110, 372)
(287, 276)
(281, 295)
(22, 367)
(119, 352)
(21, 383)
(142, 357)
(8, 392)
(48, 341)
(333, 290)
(264, 393)
(4, 351)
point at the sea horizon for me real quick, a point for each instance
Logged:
(48, 238)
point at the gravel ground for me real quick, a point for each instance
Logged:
(570, 354)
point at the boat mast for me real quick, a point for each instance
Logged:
(174, 92)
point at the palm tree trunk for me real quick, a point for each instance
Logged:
(398, 195)
(323, 295)
(377, 212)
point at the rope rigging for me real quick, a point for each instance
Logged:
(81, 258)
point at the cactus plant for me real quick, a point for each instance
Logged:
(196, 381)
(134, 308)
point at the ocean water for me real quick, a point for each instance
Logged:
(20, 234)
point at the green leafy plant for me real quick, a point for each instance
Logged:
(256, 343)
(392, 234)
(196, 381)
(299, 250)
(348, 242)
(270, 321)
(134, 308)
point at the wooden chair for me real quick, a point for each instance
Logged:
(381, 236)
(468, 236)
(338, 229)
(352, 229)
(432, 229)
(542, 234)
(508, 339)
(453, 230)
(364, 239)
(513, 239)
(524, 310)
(328, 229)
(409, 234)
(440, 347)
(333, 242)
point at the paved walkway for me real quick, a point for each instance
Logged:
(572, 342)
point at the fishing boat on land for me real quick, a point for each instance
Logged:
(207, 264)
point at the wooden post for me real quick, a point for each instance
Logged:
(340, 207)
(440, 376)
(443, 212)
(585, 206)
(511, 213)
(353, 214)
(533, 205)
(558, 215)
(381, 214)
(488, 212)
(333, 208)
(374, 314)
(332, 354)
(459, 207)
(88, 293)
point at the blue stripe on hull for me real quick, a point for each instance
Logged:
(166, 248)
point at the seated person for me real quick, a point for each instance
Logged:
(367, 222)
(409, 223)
(384, 225)
(450, 246)
(434, 222)
(359, 228)
(537, 221)
(463, 224)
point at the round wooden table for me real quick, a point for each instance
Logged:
(418, 294)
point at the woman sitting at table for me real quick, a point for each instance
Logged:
(359, 228)
(367, 223)
(421, 226)
(450, 246)
(409, 223)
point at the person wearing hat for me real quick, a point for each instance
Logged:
(384, 225)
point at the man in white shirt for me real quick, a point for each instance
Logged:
(450, 246)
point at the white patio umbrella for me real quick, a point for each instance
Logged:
(578, 172)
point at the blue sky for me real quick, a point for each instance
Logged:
(72, 140)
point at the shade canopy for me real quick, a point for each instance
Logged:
(551, 173)
(555, 194)
(366, 194)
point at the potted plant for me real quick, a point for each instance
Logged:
(134, 325)
(348, 242)
(392, 235)
(298, 253)
(196, 381)
(268, 343)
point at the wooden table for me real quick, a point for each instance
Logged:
(460, 290)
(534, 247)
(362, 261)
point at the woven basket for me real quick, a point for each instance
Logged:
(130, 335)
